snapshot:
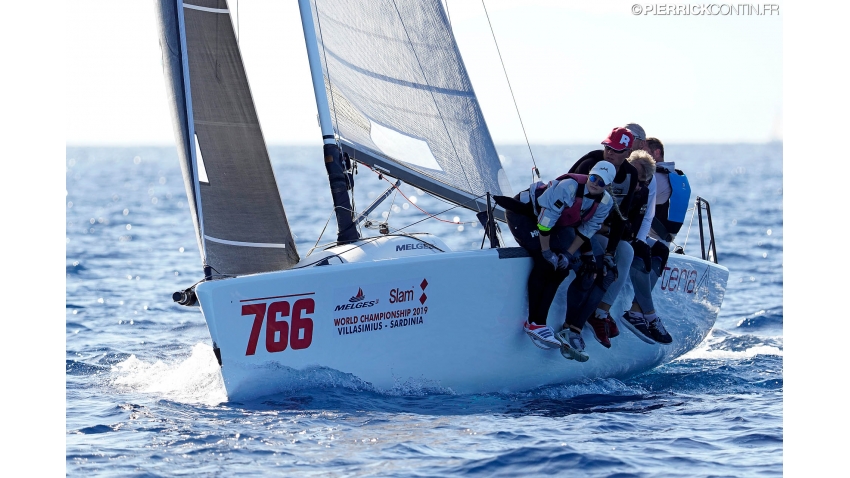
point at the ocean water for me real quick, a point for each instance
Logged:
(144, 396)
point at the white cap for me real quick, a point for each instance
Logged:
(604, 170)
(636, 130)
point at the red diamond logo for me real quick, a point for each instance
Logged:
(423, 299)
(424, 284)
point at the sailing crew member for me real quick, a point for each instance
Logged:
(617, 254)
(671, 204)
(553, 221)
(673, 197)
(640, 137)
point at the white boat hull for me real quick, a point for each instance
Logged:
(452, 320)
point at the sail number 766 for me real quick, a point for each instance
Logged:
(298, 332)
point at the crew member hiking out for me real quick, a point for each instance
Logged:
(670, 205)
(651, 329)
(617, 255)
(553, 221)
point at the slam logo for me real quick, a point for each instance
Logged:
(357, 301)
(358, 297)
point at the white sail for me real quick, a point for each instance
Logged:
(400, 97)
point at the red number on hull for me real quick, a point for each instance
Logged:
(277, 331)
(299, 323)
(258, 311)
(279, 334)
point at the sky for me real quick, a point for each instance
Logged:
(576, 68)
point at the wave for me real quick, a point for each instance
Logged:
(721, 345)
(762, 319)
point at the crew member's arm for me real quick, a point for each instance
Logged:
(646, 224)
(589, 228)
(552, 202)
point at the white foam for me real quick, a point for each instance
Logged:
(197, 379)
(751, 352)
(707, 350)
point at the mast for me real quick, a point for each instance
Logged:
(346, 230)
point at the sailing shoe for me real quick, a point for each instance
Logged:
(542, 335)
(613, 331)
(659, 333)
(637, 324)
(600, 330)
(572, 346)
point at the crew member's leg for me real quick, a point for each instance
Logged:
(660, 254)
(543, 281)
(623, 258)
(603, 325)
(579, 294)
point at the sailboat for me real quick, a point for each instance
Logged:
(393, 94)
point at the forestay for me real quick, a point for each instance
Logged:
(401, 99)
(239, 217)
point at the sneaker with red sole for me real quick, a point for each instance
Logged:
(542, 336)
(600, 330)
(613, 331)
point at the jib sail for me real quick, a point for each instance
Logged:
(238, 213)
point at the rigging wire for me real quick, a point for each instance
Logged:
(414, 204)
(511, 90)
(442, 212)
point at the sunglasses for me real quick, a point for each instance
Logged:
(596, 180)
(624, 151)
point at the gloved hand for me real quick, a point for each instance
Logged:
(609, 266)
(643, 251)
(574, 261)
(587, 265)
(558, 261)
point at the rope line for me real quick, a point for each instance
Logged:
(511, 89)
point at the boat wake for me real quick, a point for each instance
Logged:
(196, 379)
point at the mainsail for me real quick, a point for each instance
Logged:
(239, 218)
(401, 99)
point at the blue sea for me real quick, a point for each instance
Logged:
(144, 396)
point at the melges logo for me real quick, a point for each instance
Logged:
(410, 247)
(358, 297)
(357, 301)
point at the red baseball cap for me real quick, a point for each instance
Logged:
(620, 139)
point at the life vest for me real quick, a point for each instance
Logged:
(670, 216)
(571, 216)
(638, 209)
